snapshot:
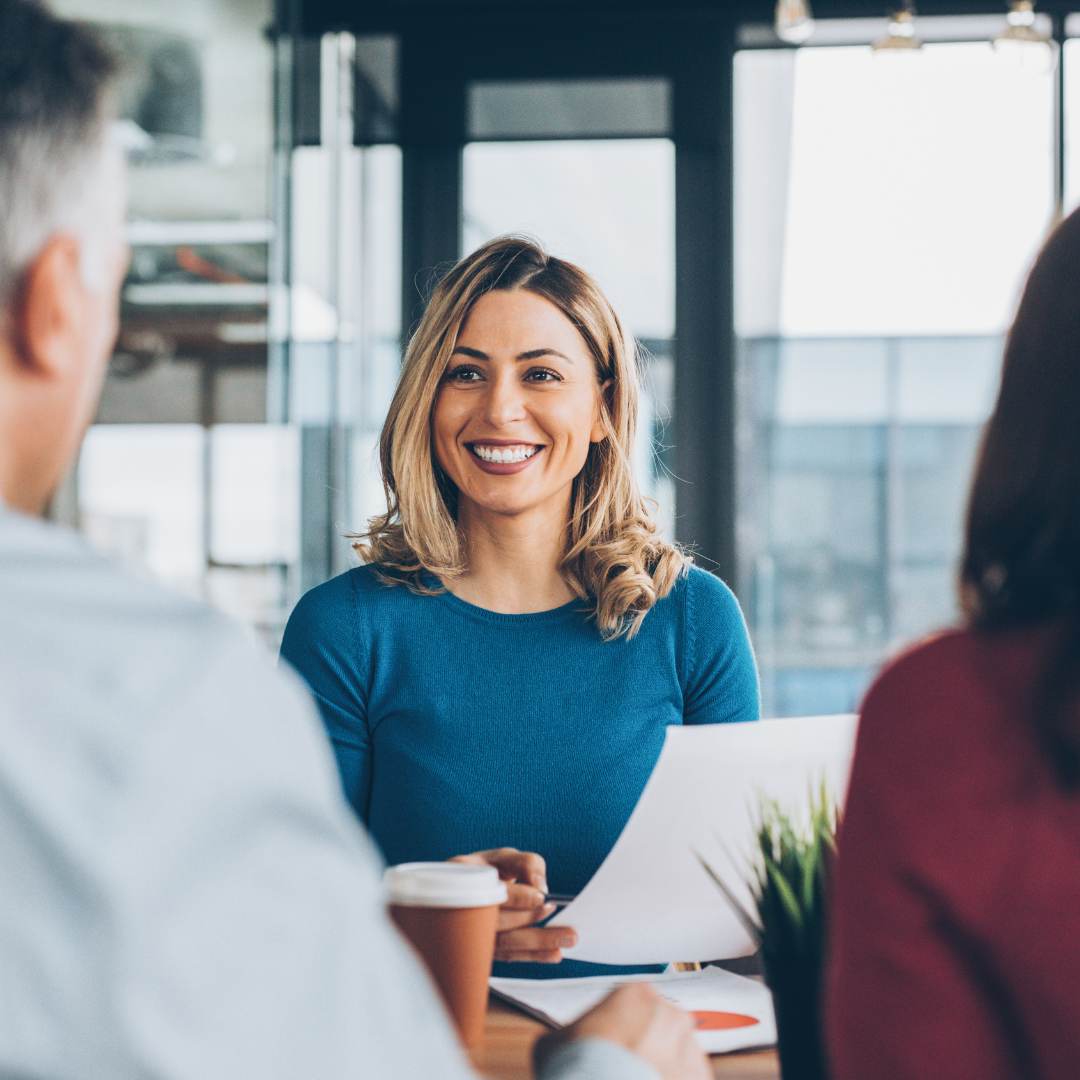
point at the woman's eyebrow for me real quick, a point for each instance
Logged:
(532, 354)
(535, 354)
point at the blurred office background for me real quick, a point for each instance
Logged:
(819, 249)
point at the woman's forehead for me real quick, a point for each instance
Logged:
(517, 320)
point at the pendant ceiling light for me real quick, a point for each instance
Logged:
(1021, 31)
(901, 33)
(794, 22)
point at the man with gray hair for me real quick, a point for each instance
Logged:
(184, 891)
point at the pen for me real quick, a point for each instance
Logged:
(556, 898)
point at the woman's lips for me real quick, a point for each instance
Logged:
(503, 461)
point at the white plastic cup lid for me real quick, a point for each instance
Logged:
(443, 884)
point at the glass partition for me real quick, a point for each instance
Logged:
(255, 230)
(887, 210)
(160, 482)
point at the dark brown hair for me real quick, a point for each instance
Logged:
(1021, 564)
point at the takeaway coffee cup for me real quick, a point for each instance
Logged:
(449, 912)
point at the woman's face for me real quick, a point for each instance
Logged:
(518, 406)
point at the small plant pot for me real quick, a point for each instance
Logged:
(795, 988)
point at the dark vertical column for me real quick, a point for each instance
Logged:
(432, 136)
(431, 223)
(704, 304)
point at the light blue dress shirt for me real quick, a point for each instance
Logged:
(184, 891)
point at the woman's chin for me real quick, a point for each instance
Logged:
(502, 503)
(502, 507)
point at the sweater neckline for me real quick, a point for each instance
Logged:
(505, 619)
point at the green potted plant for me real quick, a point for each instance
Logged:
(792, 873)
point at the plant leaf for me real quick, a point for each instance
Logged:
(809, 875)
(787, 895)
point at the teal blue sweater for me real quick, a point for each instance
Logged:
(458, 729)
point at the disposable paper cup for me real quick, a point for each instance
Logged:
(449, 912)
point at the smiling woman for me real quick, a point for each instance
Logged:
(544, 402)
(503, 669)
(514, 340)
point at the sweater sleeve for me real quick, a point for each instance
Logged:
(323, 644)
(720, 682)
(906, 995)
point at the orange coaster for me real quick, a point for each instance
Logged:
(718, 1021)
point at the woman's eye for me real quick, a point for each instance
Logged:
(543, 375)
(463, 374)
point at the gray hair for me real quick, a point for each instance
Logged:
(54, 160)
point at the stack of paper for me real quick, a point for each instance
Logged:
(732, 1012)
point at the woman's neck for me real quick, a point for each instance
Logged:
(513, 560)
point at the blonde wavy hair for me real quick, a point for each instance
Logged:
(615, 558)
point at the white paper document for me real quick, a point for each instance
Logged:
(651, 902)
(731, 1012)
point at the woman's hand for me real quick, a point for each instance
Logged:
(636, 1017)
(525, 874)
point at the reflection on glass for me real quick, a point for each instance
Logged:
(209, 511)
(608, 205)
(141, 498)
(379, 244)
(885, 216)
(180, 475)
(253, 495)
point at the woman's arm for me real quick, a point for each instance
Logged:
(322, 643)
(719, 676)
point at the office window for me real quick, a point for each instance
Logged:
(887, 209)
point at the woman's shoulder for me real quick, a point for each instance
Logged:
(959, 699)
(705, 597)
(698, 603)
(712, 651)
(941, 669)
(961, 675)
(701, 583)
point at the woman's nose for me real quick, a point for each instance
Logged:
(504, 402)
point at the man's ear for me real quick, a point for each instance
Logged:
(50, 310)
(599, 432)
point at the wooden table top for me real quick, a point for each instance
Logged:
(509, 1036)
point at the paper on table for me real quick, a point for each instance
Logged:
(651, 902)
(561, 1001)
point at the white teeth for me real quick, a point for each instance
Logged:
(504, 455)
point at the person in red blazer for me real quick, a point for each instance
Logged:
(955, 946)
